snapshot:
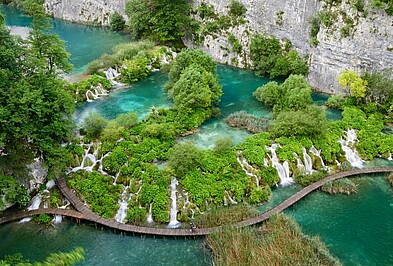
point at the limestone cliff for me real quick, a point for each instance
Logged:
(354, 39)
(96, 12)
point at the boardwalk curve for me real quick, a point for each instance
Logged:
(82, 212)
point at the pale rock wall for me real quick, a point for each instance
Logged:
(369, 47)
(96, 12)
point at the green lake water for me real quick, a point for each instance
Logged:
(358, 229)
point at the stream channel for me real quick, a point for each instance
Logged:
(358, 229)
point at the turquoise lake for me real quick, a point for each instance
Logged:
(358, 229)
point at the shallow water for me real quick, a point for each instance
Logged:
(102, 246)
(85, 43)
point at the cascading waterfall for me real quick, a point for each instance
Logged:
(317, 153)
(351, 155)
(300, 164)
(390, 157)
(150, 215)
(95, 92)
(265, 162)
(283, 172)
(34, 205)
(111, 74)
(59, 218)
(246, 166)
(121, 214)
(307, 162)
(173, 223)
(92, 158)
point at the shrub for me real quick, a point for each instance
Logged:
(306, 180)
(252, 123)
(117, 22)
(336, 101)
(93, 125)
(237, 9)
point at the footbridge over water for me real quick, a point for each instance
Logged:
(83, 213)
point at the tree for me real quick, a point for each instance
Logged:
(310, 122)
(294, 94)
(94, 124)
(187, 58)
(162, 20)
(357, 86)
(196, 88)
(117, 22)
(183, 158)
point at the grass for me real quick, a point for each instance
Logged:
(279, 241)
(390, 178)
(343, 186)
(225, 215)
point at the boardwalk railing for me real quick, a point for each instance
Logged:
(82, 212)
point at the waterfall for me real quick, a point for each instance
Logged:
(283, 172)
(265, 162)
(317, 153)
(390, 157)
(300, 164)
(34, 205)
(50, 184)
(245, 166)
(150, 215)
(307, 162)
(111, 74)
(351, 155)
(92, 157)
(173, 223)
(121, 214)
(229, 197)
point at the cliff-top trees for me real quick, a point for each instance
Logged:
(162, 20)
(270, 57)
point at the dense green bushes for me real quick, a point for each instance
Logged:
(13, 191)
(98, 190)
(271, 58)
(117, 22)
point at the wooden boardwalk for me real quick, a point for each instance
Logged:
(82, 212)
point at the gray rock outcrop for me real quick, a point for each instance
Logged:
(367, 46)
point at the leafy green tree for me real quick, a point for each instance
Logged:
(269, 57)
(357, 86)
(183, 158)
(379, 89)
(187, 58)
(293, 94)
(196, 88)
(163, 20)
(117, 22)
(222, 145)
(93, 125)
(127, 120)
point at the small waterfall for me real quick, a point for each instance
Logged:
(351, 155)
(300, 164)
(50, 184)
(246, 166)
(92, 157)
(121, 214)
(173, 223)
(265, 162)
(307, 162)
(390, 157)
(111, 74)
(230, 198)
(317, 153)
(150, 215)
(34, 205)
(283, 172)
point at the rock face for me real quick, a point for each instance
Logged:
(96, 12)
(367, 46)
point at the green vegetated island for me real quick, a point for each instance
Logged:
(139, 171)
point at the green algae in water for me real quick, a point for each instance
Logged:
(102, 246)
(357, 228)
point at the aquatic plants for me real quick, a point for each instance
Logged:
(279, 241)
(252, 123)
(343, 186)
